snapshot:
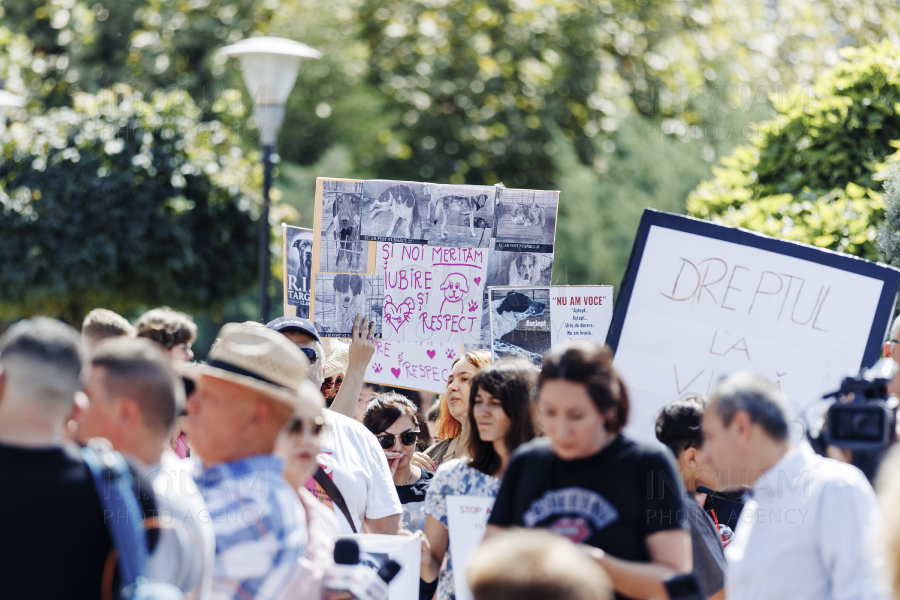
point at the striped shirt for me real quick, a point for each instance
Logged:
(260, 527)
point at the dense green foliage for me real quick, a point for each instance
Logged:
(810, 173)
(121, 202)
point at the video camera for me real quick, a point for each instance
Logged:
(863, 417)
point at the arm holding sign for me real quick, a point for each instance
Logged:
(362, 349)
(434, 547)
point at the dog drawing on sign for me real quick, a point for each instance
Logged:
(344, 227)
(465, 206)
(455, 288)
(350, 302)
(528, 215)
(304, 248)
(506, 314)
(400, 201)
(523, 269)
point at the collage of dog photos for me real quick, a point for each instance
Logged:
(298, 251)
(340, 298)
(520, 323)
(342, 249)
(395, 211)
(461, 215)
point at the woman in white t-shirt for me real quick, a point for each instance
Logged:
(500, 419)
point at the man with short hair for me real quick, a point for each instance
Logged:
(810, 524)
(101, 324)
(350, 455)
(245, 395)
(55, 539)
(133, 397)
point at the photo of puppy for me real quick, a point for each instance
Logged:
(298, 245)
(392, 211)
(526, 217)
(340, 298)
(461, 215)
(520, 323)
(527, 269)
(342, 250)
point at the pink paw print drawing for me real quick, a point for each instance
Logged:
(450, 354)
(376, 367)
(473, 306)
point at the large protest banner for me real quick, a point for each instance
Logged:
(700, 301)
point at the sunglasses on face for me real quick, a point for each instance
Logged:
(310, 353)
(311, 426)
(331, 381)
(407, 438)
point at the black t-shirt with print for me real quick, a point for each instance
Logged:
(612, 500)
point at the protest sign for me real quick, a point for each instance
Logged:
(700, 301)
(341, 298)
(376, 549)
(432, 293)
(297, 257)
(581, 312)
(395, 211)
(414, 365)
(467, 518)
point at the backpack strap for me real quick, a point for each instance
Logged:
(122, 513)
(334, 493)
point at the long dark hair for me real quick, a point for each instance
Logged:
(513, 383)
(384, 409)
(591, 366)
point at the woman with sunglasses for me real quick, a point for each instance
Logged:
(500, 420)
(453, 423)
(395, 422)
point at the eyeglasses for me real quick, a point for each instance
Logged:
(407, 438)
(310, 353)
(312, 426)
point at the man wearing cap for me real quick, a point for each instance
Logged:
(350, 456)
(245, 395)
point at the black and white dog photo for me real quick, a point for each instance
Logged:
(298, 245)
(509, 309)
(342, 250)
(527, 217)
(394, 211)
(461, 215)
(340, 298)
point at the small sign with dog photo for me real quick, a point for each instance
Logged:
(298, 251)
(340, 298)
(525, 269)
(461, 215)
(342, 250)
(520, 322)
(526, 220)
(395, 211)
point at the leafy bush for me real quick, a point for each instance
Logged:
(122, 202)
(810, 174)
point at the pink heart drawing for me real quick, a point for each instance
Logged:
(396, 373)
(398, 314)
(430, 353)
(477, 280)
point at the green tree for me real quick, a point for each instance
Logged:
(809, 174)
(124, 202)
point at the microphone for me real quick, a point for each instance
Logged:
(364, 582)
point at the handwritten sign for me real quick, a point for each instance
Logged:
(581, 312)
(467, 518)
(414, 365)
(432, 294)
(701, 301)
(376, 549)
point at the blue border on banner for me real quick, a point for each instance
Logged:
(889, 276)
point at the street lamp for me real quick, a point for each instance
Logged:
(269, 66)
(8, 100)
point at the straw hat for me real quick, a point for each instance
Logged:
(259, 359)
(337, 357)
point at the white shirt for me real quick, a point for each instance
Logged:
(351, 456)
(186, 549)
(808, 531)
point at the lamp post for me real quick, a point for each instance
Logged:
(8, 100)
(269, 66)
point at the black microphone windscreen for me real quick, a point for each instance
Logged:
(346, 552)
(389, 570)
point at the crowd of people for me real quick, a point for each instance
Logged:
(242, 472)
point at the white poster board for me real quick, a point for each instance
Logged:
(701, 301)
(467, 519)
(413, 365)
(581, 312)
(375, 549)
